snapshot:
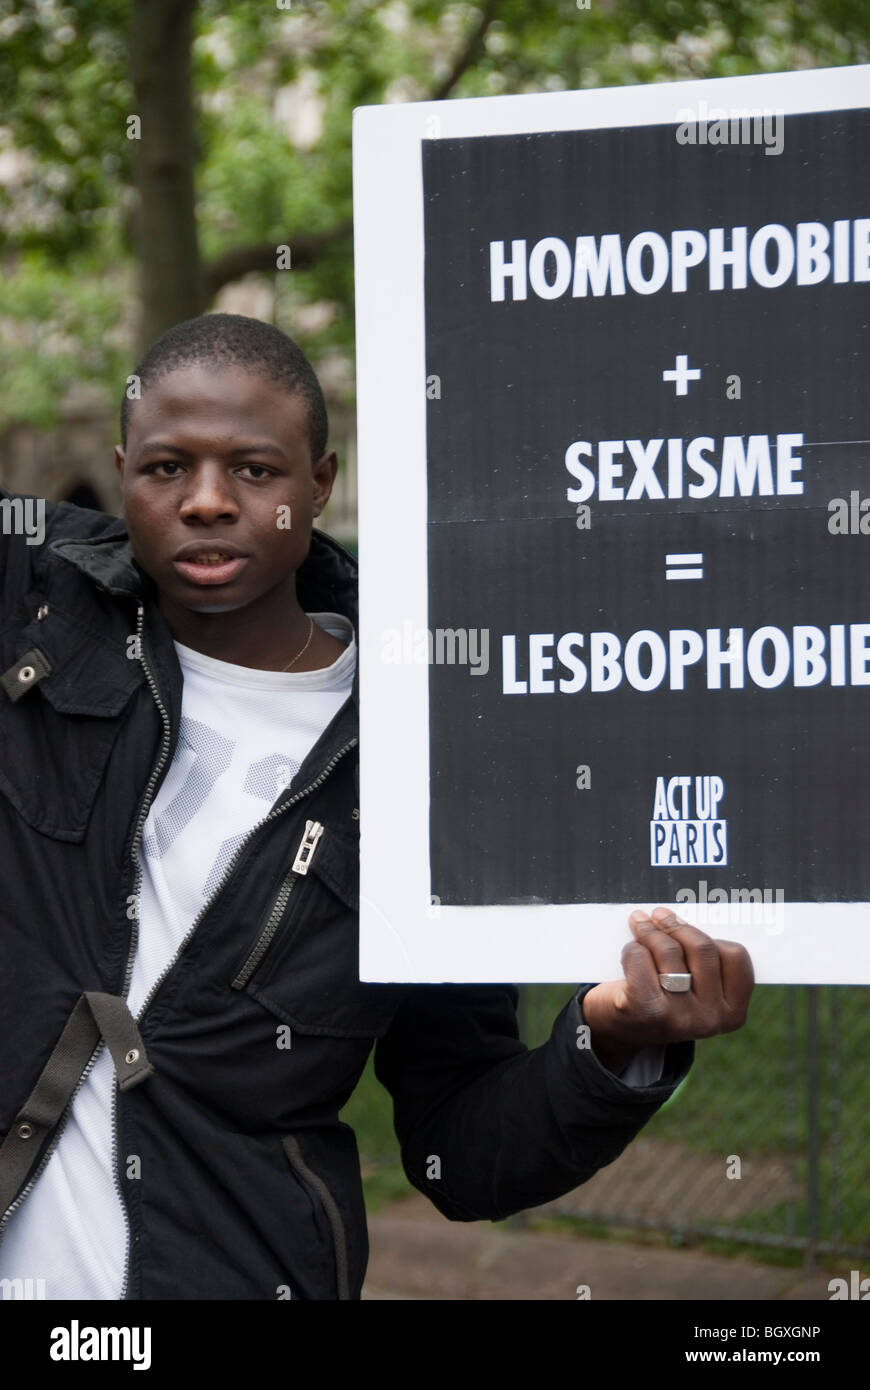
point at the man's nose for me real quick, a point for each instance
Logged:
(208, 493)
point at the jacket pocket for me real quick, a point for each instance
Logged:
(57, 737)
(320, 1190)
(303, 963)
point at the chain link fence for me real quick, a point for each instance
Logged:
(766, 1142)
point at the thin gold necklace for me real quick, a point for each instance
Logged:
(304, 649)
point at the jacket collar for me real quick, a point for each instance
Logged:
(325, 582)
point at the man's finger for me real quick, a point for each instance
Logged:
(641, 972)
(701, 953)
(647, 1013)
(738, 978)
(665, 949)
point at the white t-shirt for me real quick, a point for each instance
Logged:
(244, 734)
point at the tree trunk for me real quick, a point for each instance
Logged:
(170, 273)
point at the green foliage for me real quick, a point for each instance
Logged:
(61, 325)
(64, 95)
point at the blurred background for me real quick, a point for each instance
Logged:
(163, 158)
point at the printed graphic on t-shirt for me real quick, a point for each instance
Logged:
(202, 757)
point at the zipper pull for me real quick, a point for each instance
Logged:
(313, 832)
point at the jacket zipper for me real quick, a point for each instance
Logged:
(273, 815)
(297, 1162)
(308, 844)
(134, 935)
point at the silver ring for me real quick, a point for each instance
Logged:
(676, 984)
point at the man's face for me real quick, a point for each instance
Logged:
(219, 488)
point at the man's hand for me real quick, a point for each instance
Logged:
(625, 1015)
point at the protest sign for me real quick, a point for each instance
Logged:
(614, 423)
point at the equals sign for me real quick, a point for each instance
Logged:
(684, 566)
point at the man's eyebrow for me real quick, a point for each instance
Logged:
(156, 446)
(258, 447)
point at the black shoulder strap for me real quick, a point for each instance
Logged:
(95, 1016)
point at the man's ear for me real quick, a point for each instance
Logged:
(323, 473)
(119, 459)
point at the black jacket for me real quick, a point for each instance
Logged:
(249, 1184)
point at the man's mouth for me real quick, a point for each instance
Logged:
(213, 557)
(210, 566)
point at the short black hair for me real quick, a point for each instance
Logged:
(232, 340)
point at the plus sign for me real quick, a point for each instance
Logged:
(682, 375)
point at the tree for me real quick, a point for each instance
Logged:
(161, 71)
(152, 162)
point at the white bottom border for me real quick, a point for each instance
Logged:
(801, 943)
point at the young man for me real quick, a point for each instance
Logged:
(181, 1016)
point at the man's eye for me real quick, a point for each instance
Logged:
(258, 468)
(165, 463)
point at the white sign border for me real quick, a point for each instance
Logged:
(403, 936)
